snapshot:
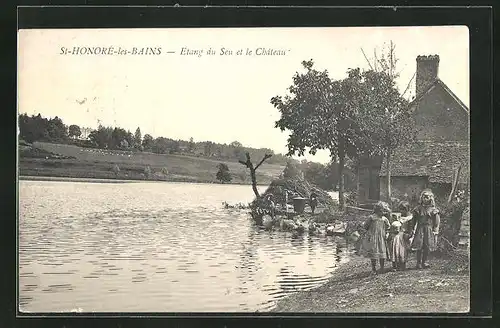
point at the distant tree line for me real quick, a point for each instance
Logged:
(37, 128)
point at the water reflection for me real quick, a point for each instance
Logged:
(158, 247)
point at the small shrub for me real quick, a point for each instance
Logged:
(164, 171)
(223, 174)
(116, 169)
(147, 171)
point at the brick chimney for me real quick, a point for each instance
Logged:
(427, 71)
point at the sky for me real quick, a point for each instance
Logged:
(221, 97)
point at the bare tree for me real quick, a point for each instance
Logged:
(248, 163)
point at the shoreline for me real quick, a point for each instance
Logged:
(444, 288)
(113, 180)
(70, 179)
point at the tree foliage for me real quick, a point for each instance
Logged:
(147, 142)
(137, 137)
(191, 145)
(37, 128)
(74, 131)
(363, 113)
(319, 114)
(385, 118)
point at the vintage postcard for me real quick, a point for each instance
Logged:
(321, 170)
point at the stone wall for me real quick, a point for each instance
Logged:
(439, 117)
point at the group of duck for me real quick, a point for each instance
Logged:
(303, 224)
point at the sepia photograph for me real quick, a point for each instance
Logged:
(244, 170)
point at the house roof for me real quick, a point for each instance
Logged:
(436, 160)
(438, 82)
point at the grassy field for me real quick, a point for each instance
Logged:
(99, 163)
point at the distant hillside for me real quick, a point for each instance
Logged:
(73, 161)
(40, 129)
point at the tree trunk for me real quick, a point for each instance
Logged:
(454, 184)
(254, 182)
(358, 184)
(248, 163)
(388, 169)
(341, 177)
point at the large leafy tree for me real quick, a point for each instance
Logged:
(147, 142)
(102, 137)
(160, 145)
(74, 131)
(57, 131)
(385, 115)
(33, 128)
(385, 119)
(208, 148)
(319, 113)
(117, 136)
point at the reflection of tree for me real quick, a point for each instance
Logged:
(248, 258)
(296, 239)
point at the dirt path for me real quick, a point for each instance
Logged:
(442, 288)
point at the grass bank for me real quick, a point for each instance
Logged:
(66, 179)
(88, 163)
(442, 288)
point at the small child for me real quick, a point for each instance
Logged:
(399, 238)
(425, 224)
(313, 202)
(271, 207)
(374, 242)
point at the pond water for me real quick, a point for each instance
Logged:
(158, 247)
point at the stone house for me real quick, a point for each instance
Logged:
(442, 144)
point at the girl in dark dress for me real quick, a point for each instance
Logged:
(425, 223)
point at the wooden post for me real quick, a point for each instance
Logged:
(357, 181)
(454, 185)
